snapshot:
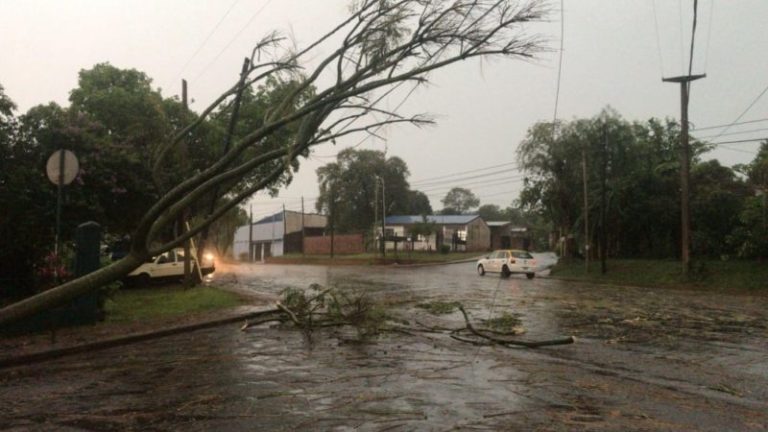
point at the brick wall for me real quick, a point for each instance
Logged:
(342, 244)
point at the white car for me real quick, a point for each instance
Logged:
(507, 262)
(169, 265)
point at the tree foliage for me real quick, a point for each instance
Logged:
(459, 201)
(351, 189)
(640, 164)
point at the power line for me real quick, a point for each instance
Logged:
(734, 133)
(709, 33)
(693, 38)
(200, 47)
(730, 124)
(426, 180)
(231, 41)
(658, 38)
(740, 141)
(559, 63)
(682, 51)
(727, 147)
(461, 179)
(481, 184)
(499, 193)
(745, 111)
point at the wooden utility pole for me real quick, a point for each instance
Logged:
(302, 227)
(183, 217)
(603, 204)
(685, 168)
(333, 215)
(586, 207)
(383, 219)
(375, 210)
(250, 235)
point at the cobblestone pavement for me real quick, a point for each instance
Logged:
(645, 359)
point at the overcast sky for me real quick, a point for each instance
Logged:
(615, 54)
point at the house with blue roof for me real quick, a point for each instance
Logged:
(461, 233)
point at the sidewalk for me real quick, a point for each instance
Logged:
(37, 347)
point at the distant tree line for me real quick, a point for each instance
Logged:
(633, 183)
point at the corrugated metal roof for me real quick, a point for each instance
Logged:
(497, 223)
(277, 217)
(438, 219)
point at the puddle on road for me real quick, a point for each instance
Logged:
(273, 379)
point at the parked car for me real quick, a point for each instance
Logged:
(170, 265)
(507, 262)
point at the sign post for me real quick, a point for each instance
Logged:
(62, 168)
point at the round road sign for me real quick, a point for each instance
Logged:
(69, 163)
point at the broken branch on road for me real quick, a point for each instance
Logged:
(486, 338)
(334, 308)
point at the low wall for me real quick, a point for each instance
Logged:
(342, 244)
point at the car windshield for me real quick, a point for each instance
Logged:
(521, 255)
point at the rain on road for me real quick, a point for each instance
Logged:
(645, 359)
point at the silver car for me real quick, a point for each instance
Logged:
(507, 262)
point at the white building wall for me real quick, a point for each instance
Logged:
(240, 243)
(263, 232)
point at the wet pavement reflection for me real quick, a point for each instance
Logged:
(645, 359)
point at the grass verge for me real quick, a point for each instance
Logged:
(152, 303)
(706, 274)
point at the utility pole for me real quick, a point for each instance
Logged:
(250, 235)
(302, 226)
(333, 216)
(183, 217)
(586, 207)
(375, 209)
(383, 219)
(603, 204)
(685, 168)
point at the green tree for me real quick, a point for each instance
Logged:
(25, 221)
(354, 181)
(750, 238)
(717, 200)
(492, 212)
(640, 163)
(418, 203)
(459, 201)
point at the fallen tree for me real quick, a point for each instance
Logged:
(381, 46)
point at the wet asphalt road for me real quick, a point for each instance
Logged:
(645, 359)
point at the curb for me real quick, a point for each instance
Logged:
(432, 264)
(55, 353)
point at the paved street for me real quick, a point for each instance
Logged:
(644, 360)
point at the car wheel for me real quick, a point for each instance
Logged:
(505, 271)
(480, 270)
(143, 280)
(530, 275)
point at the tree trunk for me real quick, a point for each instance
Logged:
(70, 290)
